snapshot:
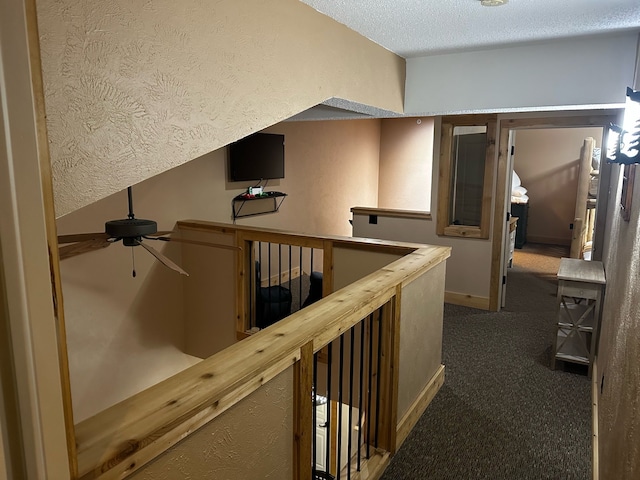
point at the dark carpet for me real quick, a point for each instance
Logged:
(502, 413)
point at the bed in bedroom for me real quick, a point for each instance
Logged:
(520, 209)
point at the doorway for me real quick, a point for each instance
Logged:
(546, 178)
(509, 130)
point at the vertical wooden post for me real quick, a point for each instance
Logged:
(444, 174)
(394, 369)
(243, 294)
(51, 229)
(303, 414)
(389, 349)
(580, 218)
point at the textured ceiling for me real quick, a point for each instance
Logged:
(413, 28)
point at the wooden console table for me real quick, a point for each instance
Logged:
(580, 293)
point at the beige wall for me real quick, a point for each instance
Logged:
(548, 162)
(252, 440)
(133, 89)
(329, 165)
(352, 264)
(619, 350)
(466, 254)
(406, 153)
(420, 335)
(405, 156)
(125, 334)
(209, 293)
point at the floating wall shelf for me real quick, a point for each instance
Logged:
(247, 206)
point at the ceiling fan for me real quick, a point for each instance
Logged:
(132, 231)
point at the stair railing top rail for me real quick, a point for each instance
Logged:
(116, 441)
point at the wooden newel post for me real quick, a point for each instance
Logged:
(390, 346)
(303, 414)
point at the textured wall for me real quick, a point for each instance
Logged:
(135, 88)
(209, 293)
(330, 167)
(466, 254)
(420, 335)
(351, 265)
(251, 441)
(406, 157)
(619, 351)
(125, 334)
(548, 162)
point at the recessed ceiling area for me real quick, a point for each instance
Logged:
(414, 28)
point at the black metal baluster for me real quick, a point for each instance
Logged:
(340, 379)
(290, 271)
(258, 270)
(369, 384)
(300, 280)
(360, 392)
(311, 268)
(349, 442)
(378, 375)
(279, 280)
(329, 368)
(268, 319)
(314, 440)
(252, 290)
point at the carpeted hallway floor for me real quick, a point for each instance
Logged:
(502, 413)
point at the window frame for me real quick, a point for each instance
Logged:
(443, 227)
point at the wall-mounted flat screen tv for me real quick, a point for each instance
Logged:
(257, 157)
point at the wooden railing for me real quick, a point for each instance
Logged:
(122, 439)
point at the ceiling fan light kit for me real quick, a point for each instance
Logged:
(131, 230)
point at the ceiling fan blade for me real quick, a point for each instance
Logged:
(196, 242)
(164, 260)
(78, 248)
(81, 237)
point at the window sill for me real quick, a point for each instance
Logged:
(464, 232)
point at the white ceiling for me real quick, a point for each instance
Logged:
(418, 28)
(414, 28)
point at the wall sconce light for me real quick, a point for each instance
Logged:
(623, 144)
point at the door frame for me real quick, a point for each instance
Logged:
(500, 224)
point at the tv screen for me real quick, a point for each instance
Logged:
(257, 157)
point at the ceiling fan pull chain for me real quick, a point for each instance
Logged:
(133, 262)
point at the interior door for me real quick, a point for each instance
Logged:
(322, 432)
(506, 240)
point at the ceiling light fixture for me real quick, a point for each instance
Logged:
(493, 3)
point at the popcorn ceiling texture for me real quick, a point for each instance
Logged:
(414, 28)
(136, 88)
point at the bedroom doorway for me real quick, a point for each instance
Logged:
(544, 216)
(554, 186)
